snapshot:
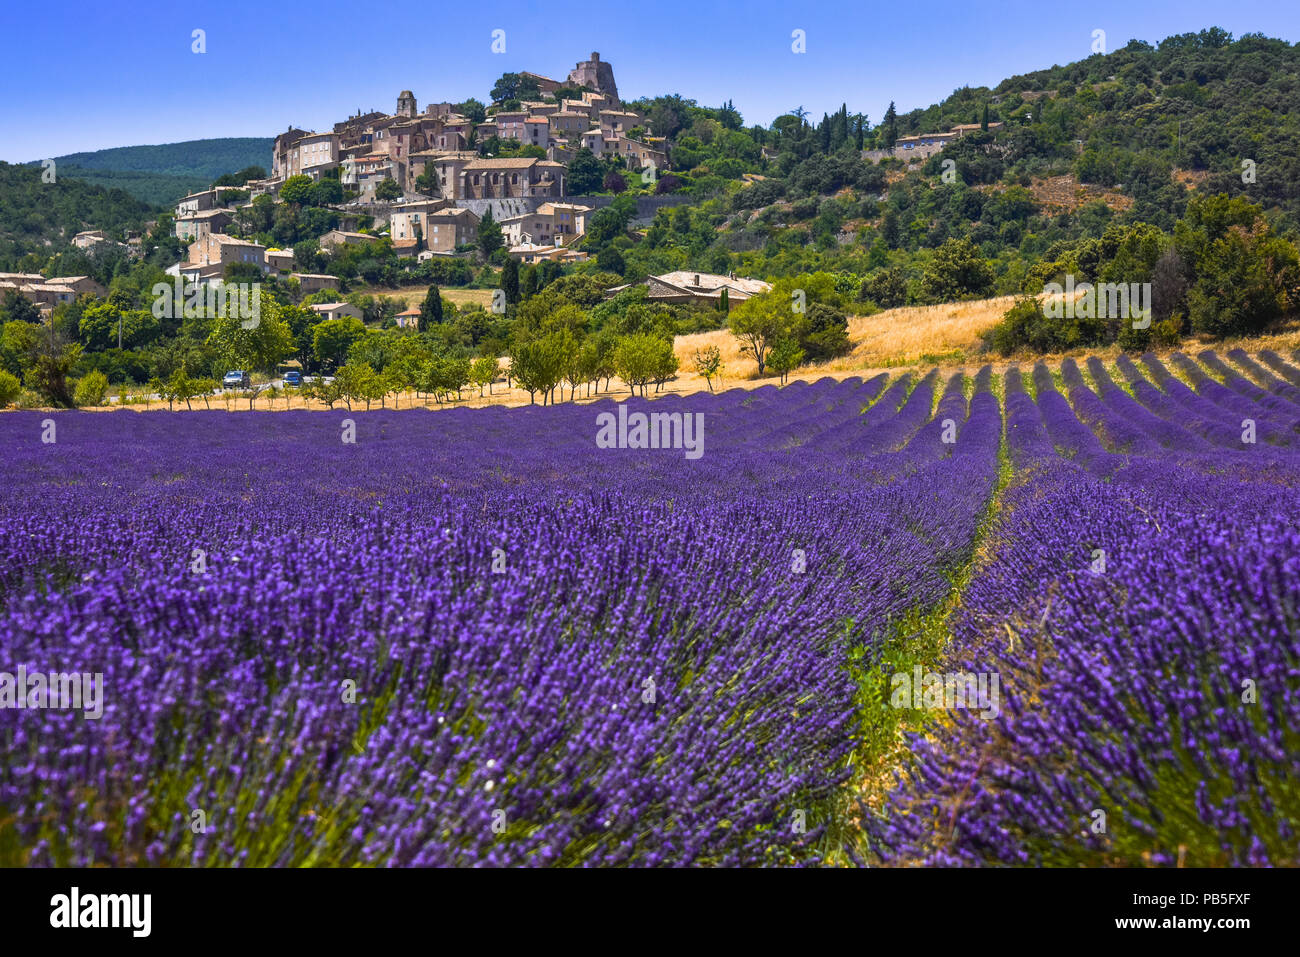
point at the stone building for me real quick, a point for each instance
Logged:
(501, 178)
(596, 74)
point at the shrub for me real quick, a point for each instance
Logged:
(10, 388)
(91, 389)
(1025, 327)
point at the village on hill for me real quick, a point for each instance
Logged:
(427, 177)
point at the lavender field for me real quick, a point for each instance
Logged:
(475, 637)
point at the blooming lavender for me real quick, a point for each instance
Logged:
(475, 637)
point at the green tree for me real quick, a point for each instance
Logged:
(759, 322)
(10, 388)
(489, 233)
(639, 359)
(102, 322)
(430, 310)
(52, 359)
(786, 356)
(506, 88)
(268, 342)
(957, 270)
(888, 132)
(17, 344)
(885, 287)
(472, 110)
(483, 372)
(332, 338)
(326, 191)
(18, 308)
(297, 190)
(92, 389)
(586, 173)
(387, 190)
(538, 365)
(510, 281)
(823, 333)
(708, 363)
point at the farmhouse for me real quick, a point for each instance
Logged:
(314, 282)
(335, 310)
(337, 237)
(678, 287)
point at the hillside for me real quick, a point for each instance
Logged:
(35, 215)
(1116, 139)
(156, 189)
(163, 173)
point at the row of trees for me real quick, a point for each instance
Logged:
(542, 364)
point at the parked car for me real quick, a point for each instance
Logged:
(293, 379)
(236, 379)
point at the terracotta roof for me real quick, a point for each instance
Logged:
(505, 163)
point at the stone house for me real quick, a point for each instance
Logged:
(549, 224)
(447, 229)
(217, 249)
(534, 253)
(502, 178)
(193, 226)
(338, 237)
(309, 283)
(685, 286)
(279, 261)
(335, 310)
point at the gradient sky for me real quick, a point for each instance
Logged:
(86, 76)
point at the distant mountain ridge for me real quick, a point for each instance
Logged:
(163, 173)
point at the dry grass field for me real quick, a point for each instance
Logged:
(414, 295)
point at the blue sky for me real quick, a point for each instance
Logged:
(85, 76)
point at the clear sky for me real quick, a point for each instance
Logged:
(85, 75)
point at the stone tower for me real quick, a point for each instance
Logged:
(596, 74)
(406, 103)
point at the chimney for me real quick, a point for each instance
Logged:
(595, 58)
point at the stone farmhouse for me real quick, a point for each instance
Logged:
(924, 145)
(698, 287)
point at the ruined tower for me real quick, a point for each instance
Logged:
(596, 74)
